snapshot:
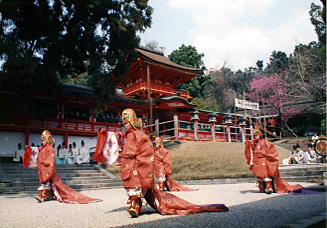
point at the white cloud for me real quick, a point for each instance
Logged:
(237, 31)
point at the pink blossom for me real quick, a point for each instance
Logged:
(276, 91)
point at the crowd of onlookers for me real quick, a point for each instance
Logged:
(64, 155)
(298, 156)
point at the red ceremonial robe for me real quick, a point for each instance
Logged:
(137, 170)
(163, 166)
(47, 172)
(263, 160)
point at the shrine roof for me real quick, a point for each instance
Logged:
(159, 58)
(176, 98)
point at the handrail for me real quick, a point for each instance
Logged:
(170, 121)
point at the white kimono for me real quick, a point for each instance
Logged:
(19, 154)
(86, 153)
(83, 155)
(71, 157)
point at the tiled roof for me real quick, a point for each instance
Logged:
(159, 58)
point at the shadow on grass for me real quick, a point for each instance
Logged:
(277, 211)
(170, 145)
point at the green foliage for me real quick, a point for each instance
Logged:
(278, 62)
(259, 64)
(209, 103)
(240, 80)
(318, 20)
(323, 127)
(47, 42)
(189, 57)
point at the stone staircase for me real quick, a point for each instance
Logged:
(14, 178)
(315, 173)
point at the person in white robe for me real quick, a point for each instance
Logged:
(71, 156)
(83, 156)
(63, 154)
(75, 152)
(86, 153)
(19, 154)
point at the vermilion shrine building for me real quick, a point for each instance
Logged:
(71, 117)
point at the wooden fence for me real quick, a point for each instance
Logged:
(196, 131)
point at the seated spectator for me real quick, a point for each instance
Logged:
(291, 156)
(62, 154)
(299, 155)
(313, 157)
(18, 156)
(314, 138)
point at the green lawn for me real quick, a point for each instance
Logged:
(207, 160)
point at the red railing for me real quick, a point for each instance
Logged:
(158, 87)
(57, 125)
(204, 133)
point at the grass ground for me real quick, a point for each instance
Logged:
(207, 160)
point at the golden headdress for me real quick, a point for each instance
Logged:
(256, 130)
(128, 115)
(46, 135)
(159, 141)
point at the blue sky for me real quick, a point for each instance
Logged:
(236, 33)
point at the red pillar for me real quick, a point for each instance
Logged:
(27, 137)
(66, 140)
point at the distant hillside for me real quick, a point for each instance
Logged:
(207, 160)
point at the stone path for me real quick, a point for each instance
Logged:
(247, 209)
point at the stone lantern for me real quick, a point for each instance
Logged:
(228, 122)
(213, 120)
(195, 118)
(242, 124)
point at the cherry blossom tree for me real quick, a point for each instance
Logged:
(277, 92)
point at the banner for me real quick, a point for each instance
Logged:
(246, 104)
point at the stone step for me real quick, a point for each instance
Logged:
(303, 179)
(83, 176)
(32, 171)
(33, 189)
(5, 185)
(69, 183)
(36, 179)
(66, 167)
(304, 167)
(61, 175)
(300, 173)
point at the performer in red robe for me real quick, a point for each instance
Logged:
(163, 169)
(262, 156)
(50, 183)
(137, 173)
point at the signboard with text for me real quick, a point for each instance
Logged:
(246, 104)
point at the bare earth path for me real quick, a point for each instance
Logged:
(247, 209)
